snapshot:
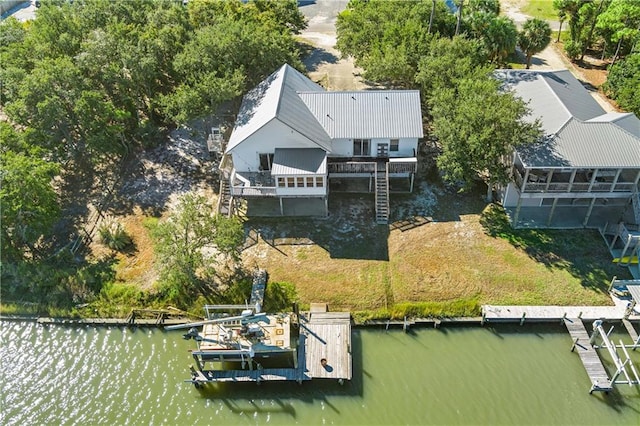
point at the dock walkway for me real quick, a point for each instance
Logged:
(514, 313)
(588, 355)
(631, 330)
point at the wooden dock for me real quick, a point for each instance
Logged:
(592, 364)
(257, 288)
(327, 336)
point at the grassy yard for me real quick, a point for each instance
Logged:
(442, 248)
(542, 9)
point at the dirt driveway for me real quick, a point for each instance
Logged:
(325, 64)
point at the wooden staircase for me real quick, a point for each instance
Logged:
(382, 192)
(224, 198)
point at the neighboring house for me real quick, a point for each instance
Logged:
(292, 139)
(586, 170)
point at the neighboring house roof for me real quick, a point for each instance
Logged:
(581, 144)
(578, 132)
(276, 98)
(552, 96)
(299, 161)
(367, 114)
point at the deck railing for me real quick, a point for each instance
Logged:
(352, 167)
(402, 167)
(577, 186)
(243, 187)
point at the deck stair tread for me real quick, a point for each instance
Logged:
(382, 193)
(588, 355)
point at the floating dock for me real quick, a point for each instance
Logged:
(588, 355)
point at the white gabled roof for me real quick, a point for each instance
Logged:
(291, 98)
(276, 98)
(367, 114)
(625, 120)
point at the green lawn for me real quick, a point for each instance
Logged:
(542, 9)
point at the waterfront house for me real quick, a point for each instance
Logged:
(585, 171)
(292, 139)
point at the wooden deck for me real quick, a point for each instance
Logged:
(592, 364)
(327, 335)
(260, 375)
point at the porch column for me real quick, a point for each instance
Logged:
(326, 206)
(572, 179)
(517, 213)
(281, 208)
(615, 180)
(586, 219)
(553, 209)
(549, 176)
(593, 179)
(524, 180)
(412, 178)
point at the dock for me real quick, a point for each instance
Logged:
(590, 359)
(632, 331)
(327, 336)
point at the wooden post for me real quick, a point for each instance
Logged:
(564, 316)
(593, 179)
(517, 213)
(484, 317)
(571, 180)
(613, 280)
(412, 178)
(281, 208)
(524, 314)
(580, 315)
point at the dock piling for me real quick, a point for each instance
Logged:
(524, 314)
(575, 342)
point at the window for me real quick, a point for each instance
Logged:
(266, 161)
(281, 182)
(309, 182)
(395, 145)
(291, 182)
(362, 147)
(300, 182)
(319, 181)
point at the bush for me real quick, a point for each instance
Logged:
(113, 235)
(573, 49)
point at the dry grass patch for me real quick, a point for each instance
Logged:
(457, 254)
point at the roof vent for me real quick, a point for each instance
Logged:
(353, 97)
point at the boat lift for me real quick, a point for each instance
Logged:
(612, 348)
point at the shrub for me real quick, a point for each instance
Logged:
(113, 235)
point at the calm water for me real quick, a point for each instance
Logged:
(455, 375)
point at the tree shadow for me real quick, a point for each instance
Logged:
(581, 252)
(319, 56)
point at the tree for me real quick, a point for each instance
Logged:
(500, 38)
(560, 6)
(534, 37)
(29, 202)
(623, 83)
(622, 19)
(478, 127)
(188, 244)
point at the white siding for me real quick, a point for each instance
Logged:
(272, 135)
(304, 190)
(408, 147)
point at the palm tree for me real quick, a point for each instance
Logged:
(534, 37)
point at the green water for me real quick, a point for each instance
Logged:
(455, 375)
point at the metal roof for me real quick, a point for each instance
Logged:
(552, 96)
(276, 97)
(299, 161)
(367, 114)
(626, 120)
(585, 145)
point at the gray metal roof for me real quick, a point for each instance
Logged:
(299, 161)
(276, 97)
(552, 96)
(367, 114)
(585, 145)
(626, 120)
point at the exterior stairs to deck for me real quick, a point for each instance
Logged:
(224, 198)
(382, 193)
